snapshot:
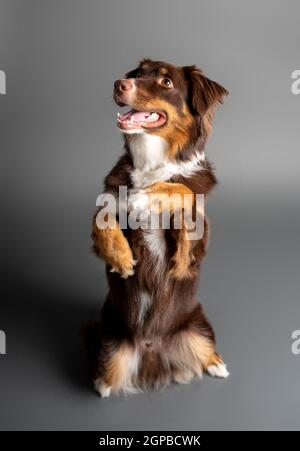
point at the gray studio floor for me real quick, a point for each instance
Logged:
(250, 290)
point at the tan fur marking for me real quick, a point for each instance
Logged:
(181, 260)
(145, 64)
(192, 351)
(160, 192)
(176, 131)
(121, 369)
(113, 247)
(216, 359)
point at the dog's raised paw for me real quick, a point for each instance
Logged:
(126, 274)
(125, 267)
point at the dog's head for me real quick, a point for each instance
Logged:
(175, 103)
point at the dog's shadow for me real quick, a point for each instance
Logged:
(53, 328)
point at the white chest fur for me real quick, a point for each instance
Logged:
(151, 162)
(148, 151)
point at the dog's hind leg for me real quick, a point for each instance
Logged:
(189, 351)
(182, 375)
(119, 370)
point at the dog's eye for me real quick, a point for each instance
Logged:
(138, 74)
(166, 82)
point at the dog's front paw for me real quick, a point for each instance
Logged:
(124, 266)
(114, 248)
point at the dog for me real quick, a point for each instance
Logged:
(152, 330)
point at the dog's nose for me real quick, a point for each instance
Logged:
(123, 85)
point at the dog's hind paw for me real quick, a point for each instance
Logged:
(218, 370)
(103, 389)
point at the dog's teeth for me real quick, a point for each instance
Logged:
(152, 116)
(131, 119)
(118, 114)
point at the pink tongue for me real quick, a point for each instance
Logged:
(138, 116)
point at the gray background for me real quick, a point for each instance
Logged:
(58, 140)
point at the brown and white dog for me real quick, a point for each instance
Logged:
(153, 330)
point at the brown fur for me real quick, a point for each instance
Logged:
(173, 340)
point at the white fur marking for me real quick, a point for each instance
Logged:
(156, 243)
(103, 389)
(133, 131)
(132, 370)
(148, 151)
(145, 302)
(143, 176)
(218, 370)
(138, 201)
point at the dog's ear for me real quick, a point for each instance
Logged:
(204, 94)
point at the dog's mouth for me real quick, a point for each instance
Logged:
(134, 119)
